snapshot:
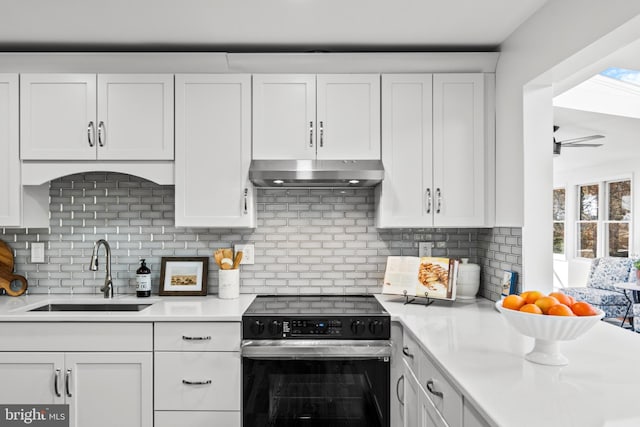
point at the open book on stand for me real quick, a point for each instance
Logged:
(429, 277)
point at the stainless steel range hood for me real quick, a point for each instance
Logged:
(316, 173)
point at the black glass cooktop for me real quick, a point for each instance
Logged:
(348, 305)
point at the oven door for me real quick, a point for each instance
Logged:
(315, 383)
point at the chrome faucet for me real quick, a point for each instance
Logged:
(93, 266)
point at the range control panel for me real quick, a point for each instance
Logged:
(269, 327)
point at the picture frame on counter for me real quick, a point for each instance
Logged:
(184, 276)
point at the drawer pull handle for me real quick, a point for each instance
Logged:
(432, 390)
(207, 382)
(66, 382)
(186, 338)
(398, 389)
(405, 351)
(56, 378)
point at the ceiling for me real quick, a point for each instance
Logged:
(621, 133)
(243, 25)
(621, 138)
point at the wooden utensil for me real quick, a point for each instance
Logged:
(236, 261)
(217, 256)
(227, 253)
(226, 263)
(6, 272)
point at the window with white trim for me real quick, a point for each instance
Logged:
(603, 226)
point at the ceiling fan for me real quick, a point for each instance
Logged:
(574, 142)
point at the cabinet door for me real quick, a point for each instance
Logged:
(459, 150)
(405, 197)
(10, 161)
(412, 410)
(31, 378)
(284, 116)
(213, 151)
(57, 116)
(135, 117)
(348, 116)
(110, 389)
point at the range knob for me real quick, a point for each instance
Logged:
(376, 327)
(257, 327)
(275, 328)
(357, 327)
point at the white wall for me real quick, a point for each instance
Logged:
(560, 39)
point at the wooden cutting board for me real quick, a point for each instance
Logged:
(6, 272)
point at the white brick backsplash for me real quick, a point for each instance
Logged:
(307, 240)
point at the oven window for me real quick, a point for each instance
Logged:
(323, 392)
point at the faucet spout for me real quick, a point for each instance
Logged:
(93, 266)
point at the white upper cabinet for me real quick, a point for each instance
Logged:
(89, 117)
(459, 150)
(57, 116)
(407, 128)
(135, 117)
(10, 187)
(213, 151)
(284, 116)
(328, 116)
(348, 117)
(436, 150)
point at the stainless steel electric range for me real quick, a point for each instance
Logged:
(316, 361)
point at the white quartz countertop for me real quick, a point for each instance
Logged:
(484, 357)
(163, 309)
(471, 342)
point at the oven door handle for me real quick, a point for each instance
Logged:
(316, 349)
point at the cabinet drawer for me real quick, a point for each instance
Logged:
(197, 336)
(219, 373)
(197, 418)
(449, 403)
(412, 353)
(72, 336)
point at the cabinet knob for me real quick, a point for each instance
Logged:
(439, 197)
(206, 382)
(428, 200)
(398, 389)
(321, 134)
(310, 134)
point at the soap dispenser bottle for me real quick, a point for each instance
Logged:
(143, 280)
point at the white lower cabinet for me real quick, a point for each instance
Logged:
(422, 395)
(197, 374)
(102, 388)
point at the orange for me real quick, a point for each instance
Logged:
(565, 299)
(531, 308)
(582, 308)
(513, 302)
(560, 310)
(545, 303)
(532, 296)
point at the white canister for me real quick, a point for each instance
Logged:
(468, 282)
(229, 284)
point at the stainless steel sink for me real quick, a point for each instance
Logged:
(91, 307)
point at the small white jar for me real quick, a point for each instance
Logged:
(229, 284)
(468, 282)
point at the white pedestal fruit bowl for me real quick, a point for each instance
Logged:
(547, 331)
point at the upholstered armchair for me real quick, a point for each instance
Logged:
(600, 290)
